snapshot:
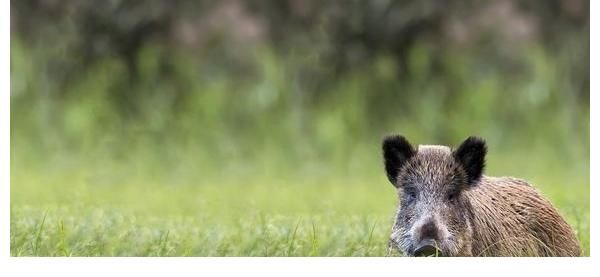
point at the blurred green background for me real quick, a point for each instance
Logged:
(253, 128)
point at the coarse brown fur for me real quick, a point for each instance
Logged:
(511, 218)
(445, 197)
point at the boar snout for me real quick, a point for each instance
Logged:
(427, 239)
(427, 248)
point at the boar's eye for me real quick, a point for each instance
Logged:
(452, 195)
(410, 195)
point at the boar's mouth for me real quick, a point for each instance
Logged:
(427, 248)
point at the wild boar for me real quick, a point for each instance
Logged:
(447, 207)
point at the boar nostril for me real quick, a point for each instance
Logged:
(427, 248)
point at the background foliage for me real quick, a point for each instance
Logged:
(254, 127)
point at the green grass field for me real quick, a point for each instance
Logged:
(85, 212)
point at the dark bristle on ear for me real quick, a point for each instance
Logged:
(396, 151)
(471, 155)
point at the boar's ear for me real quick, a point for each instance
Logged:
(471, 155)
(396, 151)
